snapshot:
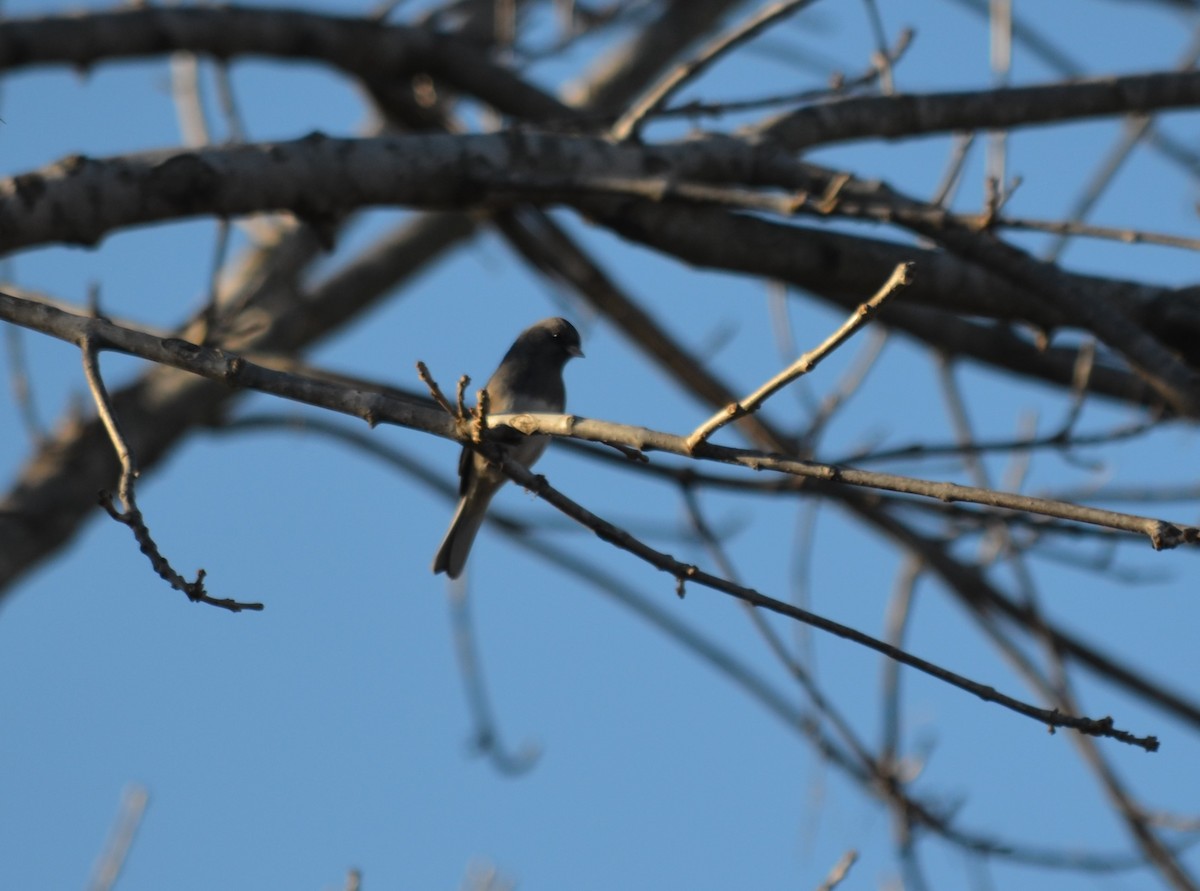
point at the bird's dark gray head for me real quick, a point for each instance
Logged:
(550, 339)
(531, 376)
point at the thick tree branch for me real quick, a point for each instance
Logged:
(374, 51)
(1009, 108)
(81, 200)
(361, 47)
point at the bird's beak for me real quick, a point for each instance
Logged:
(576, 352)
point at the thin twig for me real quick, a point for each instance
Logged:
(628, 125)
(840, 870)
(773, 641)
(486, 737)
(801, 571)
(960, 424)
(952, 176)
(129, 514)
(684, 573)
(1085, 364)
(91, 370)
(189, 103)
(806, 363)
(460, 398)
(882, 56)
(1062, 439)
(1067, 228)
(227, 101)
(847, 386)
(1000, 45)
(436, 392)
(840, 88)
(1059, 692)
(129, 819)
(220, 251)
(896, 626)
(19, 381)
(1135, 129)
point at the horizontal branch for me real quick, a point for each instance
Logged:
(1161, 533)
(80, 199)
(227, 368)
(377, 407)
(363, 47)
(376, 51)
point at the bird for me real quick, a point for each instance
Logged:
(528, 379)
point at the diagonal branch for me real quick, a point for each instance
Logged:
(628, 125)
(806, 363)
(684, 573)
(376, 407)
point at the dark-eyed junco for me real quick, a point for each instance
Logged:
(529, 379)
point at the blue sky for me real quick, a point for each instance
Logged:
(330, 731)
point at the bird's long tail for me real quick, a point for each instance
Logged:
(452, 555)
